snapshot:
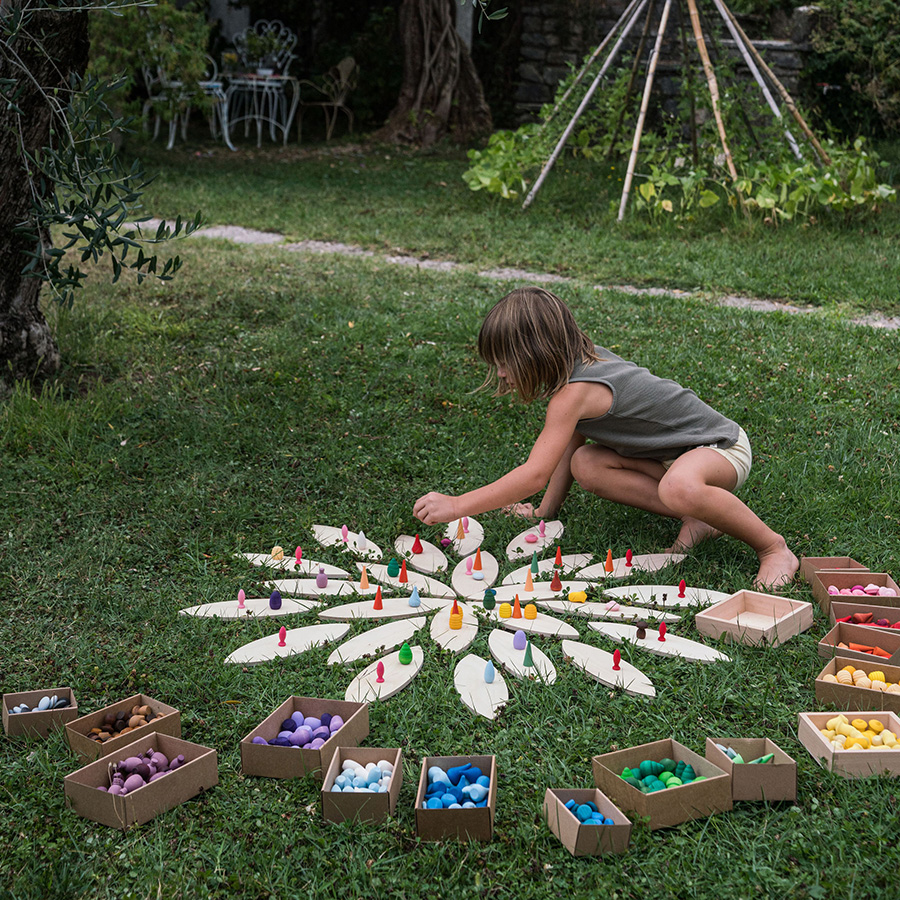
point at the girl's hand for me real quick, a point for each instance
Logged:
(434, 508)
(525, 510)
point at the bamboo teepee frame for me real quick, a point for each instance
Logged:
(762, 75)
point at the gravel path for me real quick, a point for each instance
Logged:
(249, 236)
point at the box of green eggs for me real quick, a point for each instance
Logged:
(582, 838)
(708, 793)
(770, 781)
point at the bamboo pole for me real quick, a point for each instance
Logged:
(545, 171)
(599, 49)
(754, 70)
(713, 85)
(785, 96)
(689, 76)
(645, 102)
(634, 70)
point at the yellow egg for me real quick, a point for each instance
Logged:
(530, 611)
(876, 741)
(853, 746)
(888, 737)
(456, 621)
(876, 726)
(577, 596)
(277, 552)
(505, 611)
(860, 724)
(850, 669)
(829, 733)
(876, 676)
(832, 724)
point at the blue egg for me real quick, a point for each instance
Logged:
(484, 781)
(434, 803)
(474, 773)
(570, 803)
(583, 812)
(44, 704)
(468, 805)
(476, 792)
(454, 772)
(454, 806)
(447, 800)
(336, 788)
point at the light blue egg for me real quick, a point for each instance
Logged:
(468, 805)
(44, 704)
(336, 788)
(454, 806)
(490, 673)
(475, 792)
(436, 773)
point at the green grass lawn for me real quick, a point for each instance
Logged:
(387, 200)
(263, 391)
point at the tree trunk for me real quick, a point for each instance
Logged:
(56, 50)
(441, 94)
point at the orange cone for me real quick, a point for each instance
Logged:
(477, 566)
(609, 563)
(456, 610)
(364, 580)
(529, 582)
(517, 609)
(460, 531)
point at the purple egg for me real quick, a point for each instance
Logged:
(160, 760)
(133, 782)
(318, 742)
(304, 734)
(101, 787)
(288, 725)
(177, 762)
(277, 742)
(132, 763)
(295, 739)
(143, 770)
(297, 717)
(158, 775)
(312, 723)
(285, 734)
(116, 789)
(336, 722)
(308, 746)
(322, 732)
(326, 718)
(259, 740)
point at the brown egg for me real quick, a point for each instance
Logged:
(120, 725)
(109, 718)
(136, 721)
(125, 730)
(135, 710)
(145, 711)
(95, 731)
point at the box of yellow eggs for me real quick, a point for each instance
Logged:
(853, 684)
(852, 744)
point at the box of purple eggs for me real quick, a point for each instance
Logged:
(37, 713)
(302, 735)
(180, 770)
(469, 820)
(362, 784)
(586, 821)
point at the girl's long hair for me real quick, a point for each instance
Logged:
(534, 336)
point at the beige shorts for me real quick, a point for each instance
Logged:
(740, 456)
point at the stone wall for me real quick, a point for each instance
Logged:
(560, 33)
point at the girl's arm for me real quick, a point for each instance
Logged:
(544, 462)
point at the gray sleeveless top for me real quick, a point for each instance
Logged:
(650, 417)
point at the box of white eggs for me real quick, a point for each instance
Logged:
(851, 683)
(362, 784)
(37, 713)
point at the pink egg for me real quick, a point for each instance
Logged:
(531, 538)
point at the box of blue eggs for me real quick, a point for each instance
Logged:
(457, 798)
(166, 772)
(362, 784)
(301, 737)
(586, 821)
(37, 713)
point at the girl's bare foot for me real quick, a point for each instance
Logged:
(777, 567)
(692, 532)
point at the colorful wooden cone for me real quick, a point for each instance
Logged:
(517, 609)
(477, 564)
(417, 545)
(403, 578)
(556, 581)
(529, 583)
(558, 555)
(378, 604)
(609, 562)
(527, 659)
(364, 580)
(460, 532)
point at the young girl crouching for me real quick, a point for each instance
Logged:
(621, 432)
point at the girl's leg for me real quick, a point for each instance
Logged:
(635, 482)
(698, 485)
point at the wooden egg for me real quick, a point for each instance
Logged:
(844, 677)
(876, 676)
(860, 724)
(832, 724)
(829, 678)
(864, 683)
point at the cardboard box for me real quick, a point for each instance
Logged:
(842, 606)
(821, 581)
(586, 840)
(465, 824)
(295, 762)
(845, 633)
(809, 565)
(769, 782)
(363, 807)
(167, 721)
(673, 805)
(848, 763)
(199, 772)
(749, 617)
(37, 723)
(849, 696)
